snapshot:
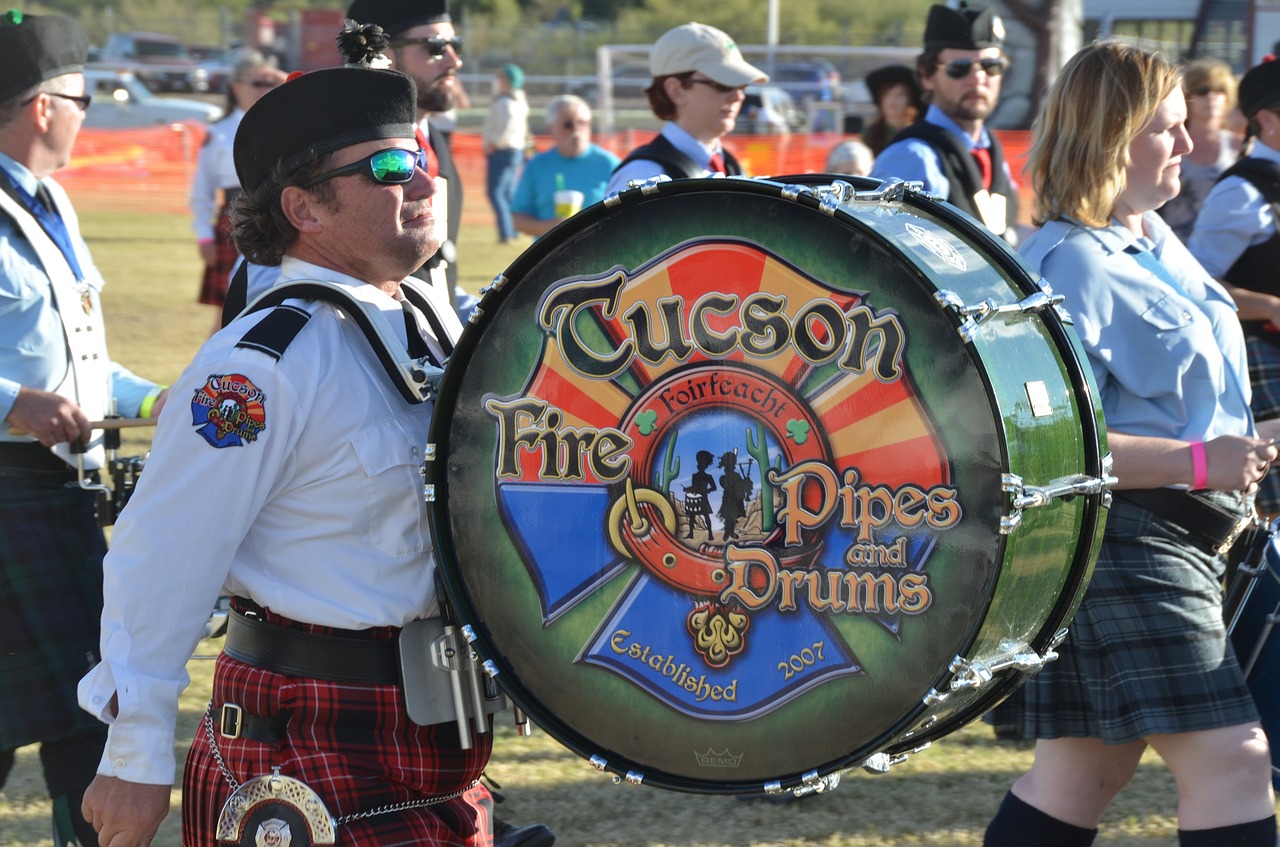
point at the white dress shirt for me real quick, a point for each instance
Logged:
(318, 516)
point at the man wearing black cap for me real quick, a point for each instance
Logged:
(55, 378)
(951, 151)
(1236, 238)
(287, 476)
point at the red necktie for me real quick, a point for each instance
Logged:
(716, 165)
(433, 164)
(982, 156)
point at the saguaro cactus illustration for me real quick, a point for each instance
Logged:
(670, 466)
(758, 449)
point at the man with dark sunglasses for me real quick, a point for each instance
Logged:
(56, 377)
(699, 79)
(289, 479)
(950, 150)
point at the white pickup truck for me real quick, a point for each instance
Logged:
(160, 61)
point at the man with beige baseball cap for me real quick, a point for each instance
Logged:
(698, 80)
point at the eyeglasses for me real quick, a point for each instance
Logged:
(1206, 91)
(81, 100)
(961, 68)
(264, 83)
(433, 44)
(711, 83)
(393, 166)
(574, 124)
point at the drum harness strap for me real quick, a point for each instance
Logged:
(416, 379)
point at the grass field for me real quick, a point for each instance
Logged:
(942, 796)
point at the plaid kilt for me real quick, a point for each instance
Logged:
(51, 551)
(1148, 650)
(213, 285)
(1264, 376)
(355, 746)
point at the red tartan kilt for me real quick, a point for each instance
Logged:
(356, 747)
(217, 277)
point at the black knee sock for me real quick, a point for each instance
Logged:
(1018, 824)
(1254, 834)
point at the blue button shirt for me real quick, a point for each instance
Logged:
(33, 346)
(1168, 356)
(915, 160)
(1234, 217)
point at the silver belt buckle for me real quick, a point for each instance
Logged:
(230, 720)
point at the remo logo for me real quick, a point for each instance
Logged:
(758, 452)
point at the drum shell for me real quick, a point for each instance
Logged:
(1019, 588)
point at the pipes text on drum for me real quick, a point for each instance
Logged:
(757, 325)
(862, 507)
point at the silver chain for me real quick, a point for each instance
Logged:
(403, 806)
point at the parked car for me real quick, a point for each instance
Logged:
(215, 62)
(160, 61)
(120, 101)
(767, 110)
(629, 82)
(816, 80)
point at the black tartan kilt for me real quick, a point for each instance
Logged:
(1264, 378)
(51, 551)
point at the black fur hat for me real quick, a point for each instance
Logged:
(316, 113)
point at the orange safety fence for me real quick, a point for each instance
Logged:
(151, 169)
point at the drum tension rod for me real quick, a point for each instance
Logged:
(974, 674)
(973, 317)
(1030, 496)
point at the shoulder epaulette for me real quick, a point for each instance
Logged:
(274, 333)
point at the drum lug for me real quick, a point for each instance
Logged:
(967, 675)
(499, 282)
(973, 317)
(880, 763)
(1030, 496)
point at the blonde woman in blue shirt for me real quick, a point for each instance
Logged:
(1147, 660)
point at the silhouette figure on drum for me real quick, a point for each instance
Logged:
(736, 488)
(696, 503)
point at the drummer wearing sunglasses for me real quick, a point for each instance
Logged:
(289, 480)
(950, 150)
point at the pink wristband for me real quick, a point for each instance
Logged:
(1199, 467)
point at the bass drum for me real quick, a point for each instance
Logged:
(742, 483)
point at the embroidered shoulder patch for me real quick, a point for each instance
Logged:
(229, 410)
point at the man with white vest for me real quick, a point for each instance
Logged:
(56, 378)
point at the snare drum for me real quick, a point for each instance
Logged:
(909, 479)
(1252, 629)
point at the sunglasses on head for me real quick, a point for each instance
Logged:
(433, 44)
(961, 68)
(393, 166)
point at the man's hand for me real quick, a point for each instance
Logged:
(49, 418)
(125, 814)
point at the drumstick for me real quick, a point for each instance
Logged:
(110, 423)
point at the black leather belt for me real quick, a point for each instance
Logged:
(234, 722)
(34, 464)
(293, 652)
(1208, 525)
